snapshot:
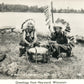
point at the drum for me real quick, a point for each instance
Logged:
(38, 52)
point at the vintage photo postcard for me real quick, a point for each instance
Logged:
(42, 39)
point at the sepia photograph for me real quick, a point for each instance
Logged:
(41, 39)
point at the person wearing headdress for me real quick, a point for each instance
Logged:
(29, 37)
(61, 44)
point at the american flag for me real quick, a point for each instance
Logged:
(47, 15)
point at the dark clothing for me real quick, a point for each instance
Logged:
(29, 36)
(23, 48)
(62, 45)
(59, 38)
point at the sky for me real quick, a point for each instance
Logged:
(76, 4)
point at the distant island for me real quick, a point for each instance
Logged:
(25, 8)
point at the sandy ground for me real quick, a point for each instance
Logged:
(66, 68)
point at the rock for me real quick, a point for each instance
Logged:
(12, 69)
(3, 68)
(4, 49)
(60, 59)
(79, 74)
(63, 55)
(2, 56)
(46, 75)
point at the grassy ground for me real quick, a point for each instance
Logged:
(67, 68)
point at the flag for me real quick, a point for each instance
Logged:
(47, 15)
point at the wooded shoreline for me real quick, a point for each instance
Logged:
(26, 8)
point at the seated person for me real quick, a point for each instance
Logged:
(29, 37)
(61, 42)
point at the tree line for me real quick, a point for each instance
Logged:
(25, 8)
(68, 10)
(20, 8)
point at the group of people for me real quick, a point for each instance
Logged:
(60, 41)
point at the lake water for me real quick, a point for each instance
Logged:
(16, 19)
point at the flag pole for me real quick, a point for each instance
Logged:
(52, 12)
